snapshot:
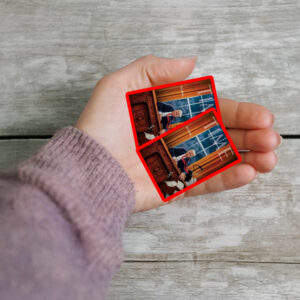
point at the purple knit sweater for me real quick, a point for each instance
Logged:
(62, 213)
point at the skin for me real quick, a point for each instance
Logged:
(249, 125)
(182, 176)
(176, 113)
(190, 153)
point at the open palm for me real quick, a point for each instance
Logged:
(106, 119)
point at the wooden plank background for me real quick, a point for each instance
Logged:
(241, 244)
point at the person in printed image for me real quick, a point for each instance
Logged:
(167, 114)
(181, 157)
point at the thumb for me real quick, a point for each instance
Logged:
(150, 71)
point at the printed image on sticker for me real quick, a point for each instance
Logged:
(158, 110)
(189, 155)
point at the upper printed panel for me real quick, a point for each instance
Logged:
(156, 110)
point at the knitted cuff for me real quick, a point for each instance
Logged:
(90, 187)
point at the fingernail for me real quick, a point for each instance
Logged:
(280, 143)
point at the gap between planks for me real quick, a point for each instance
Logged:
(213, 261)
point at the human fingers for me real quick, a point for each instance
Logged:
(231, 178)
(261, 140)
(262, 162)
(150, 71)
(245, 115)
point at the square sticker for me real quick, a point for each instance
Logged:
(156, 110)
(188, 154)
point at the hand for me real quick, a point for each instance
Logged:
(182, 177)
(106, 119)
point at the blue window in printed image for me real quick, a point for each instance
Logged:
(205, 143)
(192, 106)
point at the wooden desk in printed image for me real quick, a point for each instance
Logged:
(161, 165)
(145, 115)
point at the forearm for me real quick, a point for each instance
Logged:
(62, 214)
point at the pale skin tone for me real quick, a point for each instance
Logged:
(106, 119)
(175, 113)
(190, 153)
(182, 176)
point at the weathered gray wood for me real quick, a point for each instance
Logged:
(53, 52)
(12, 152)
(260, 222)
(206, 281)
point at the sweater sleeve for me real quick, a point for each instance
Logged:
(62, 213)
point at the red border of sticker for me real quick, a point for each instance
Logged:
(210, 77)
(201, 180)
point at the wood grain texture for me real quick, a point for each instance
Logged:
(257, 223)
(240, 244)
(53, 52)
(12, 152)
(206, 281)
